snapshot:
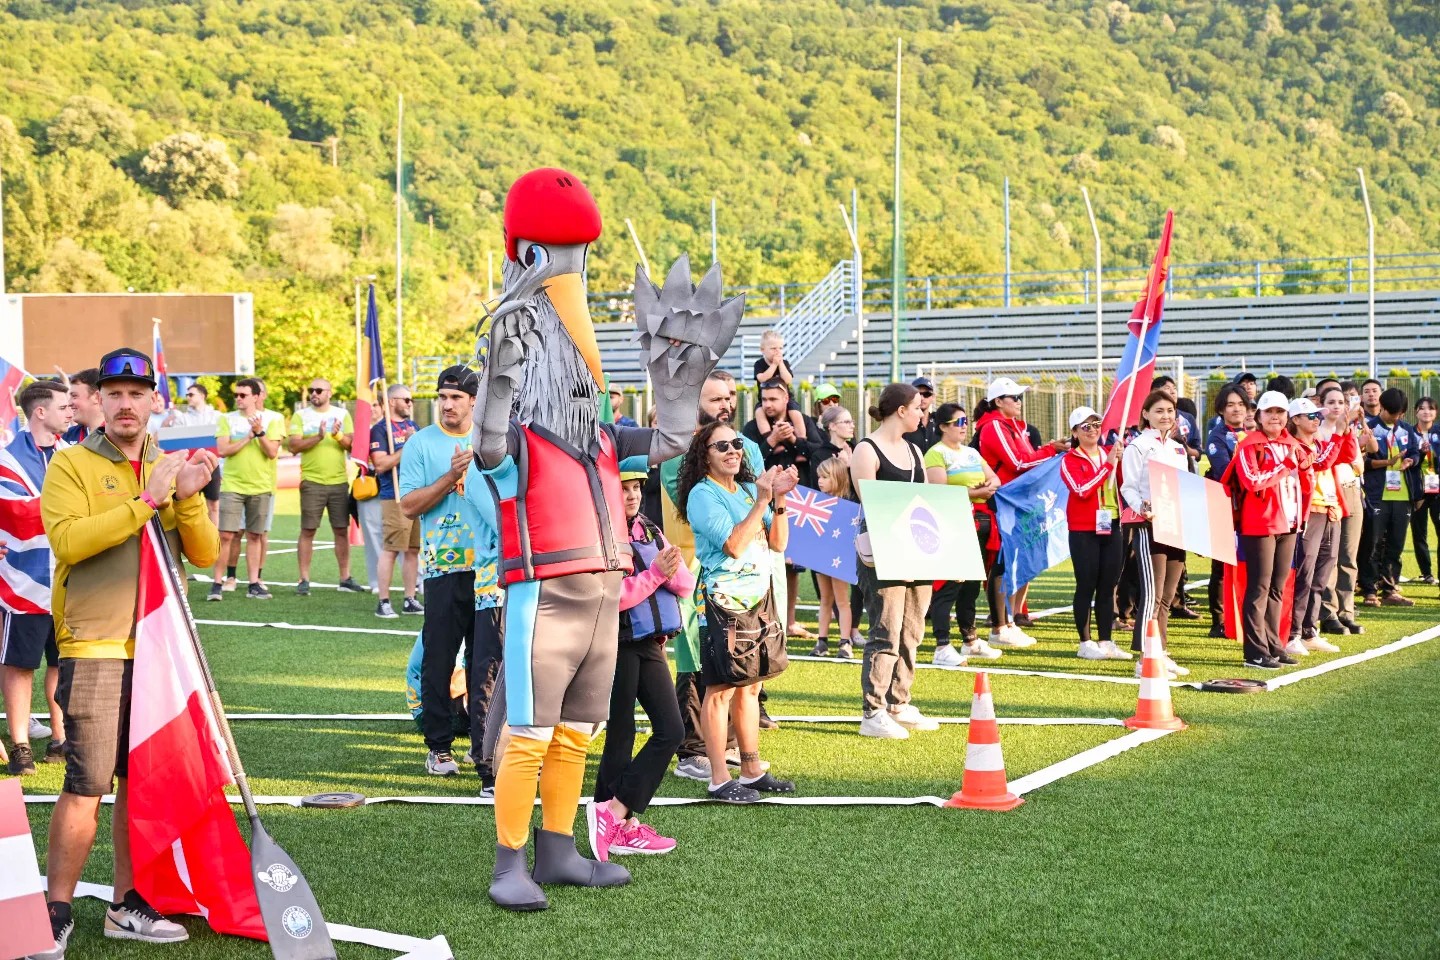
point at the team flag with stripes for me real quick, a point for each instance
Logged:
(200, 436)
(187, 851)
(26, 568)
(1191, 513)
(1137, 364)
(23, 915)
(11, 378)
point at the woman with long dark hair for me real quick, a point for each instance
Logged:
(895, 608)
(1159, 564)
(739, 523)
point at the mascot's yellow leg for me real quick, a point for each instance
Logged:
(562, 779)
(515, 783)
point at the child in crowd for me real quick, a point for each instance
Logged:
(772, 366)
(833, 479)
(650, 617)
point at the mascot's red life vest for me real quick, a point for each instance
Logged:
(567, 515)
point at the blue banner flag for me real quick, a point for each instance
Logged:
(372, 339)
(1034, 535)
(822, 533)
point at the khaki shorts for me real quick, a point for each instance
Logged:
(245, 511)
(317, 498)
(94, 696)
(400, 534)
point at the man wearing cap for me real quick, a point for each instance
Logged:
(322, 434)
(432, 488)
(97, 496)
(927, 434)
(617, 404)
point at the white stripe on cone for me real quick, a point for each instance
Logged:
(984, 757)
(982, 707)
(1154, 688)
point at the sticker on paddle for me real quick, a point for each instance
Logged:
(1234, 685)
(343, 800)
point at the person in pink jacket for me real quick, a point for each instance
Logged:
(650, 616)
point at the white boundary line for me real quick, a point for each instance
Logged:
(414, 948)
(1086, 758)
(282, 625)
(1353, 659)
(826, 718)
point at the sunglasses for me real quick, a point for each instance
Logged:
(829, 400)
(243, 396)
(402, 399)
(926, 394)
(957, 422)
(1310, 416)
(316, 390)
(1015, 397)
(1089, 426)
(127, 365)
(724, 446)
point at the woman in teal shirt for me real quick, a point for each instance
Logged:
(738, 519)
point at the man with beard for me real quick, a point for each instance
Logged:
(97, 497)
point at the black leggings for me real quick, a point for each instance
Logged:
(1097, 558)
(1426, 515)
(1267, 566)
(1159, 567)
(641, 673)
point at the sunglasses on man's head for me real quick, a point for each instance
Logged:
(127, 365)
(724, 446)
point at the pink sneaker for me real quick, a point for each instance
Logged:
(642, 839)
(605, 830)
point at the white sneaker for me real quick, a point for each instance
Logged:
(1172, 669)
(1321, 645)
(140, 921)
(1090, 650)
(1113, 652)
(1297, 649)
(1175, 669)
(38, 730)
(910, 717)
(883, 727)
(947, 656)
(228, 585)
(980, 650)
(1012, 636)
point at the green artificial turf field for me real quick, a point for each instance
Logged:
(1299, 823)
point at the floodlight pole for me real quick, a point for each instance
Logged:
(1370, 261)
(1099, 304)
(1007, 243)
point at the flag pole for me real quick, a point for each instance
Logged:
(1370, 261)
(897, 245)
(714, 235)
(399, 235)
(1145, 322)
(1099, 307)
(2, 232)
(852, 227)
(389, 436)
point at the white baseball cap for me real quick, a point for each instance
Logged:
(1080, 414)
(1302, 406)
(1272, 400)
(1004, 387)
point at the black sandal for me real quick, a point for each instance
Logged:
(768, 783)
(733, 792)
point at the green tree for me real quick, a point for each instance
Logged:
(189, 166)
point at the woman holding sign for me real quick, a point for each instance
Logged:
(896, 608)
(739, 522)
(1159, 564)
(1092, 513)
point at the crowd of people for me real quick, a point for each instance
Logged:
(1326, 487)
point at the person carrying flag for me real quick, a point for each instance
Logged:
(98, 495)
(29, 626)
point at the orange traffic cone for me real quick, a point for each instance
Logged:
(1154, 710)
(357, 539)
(983, 785)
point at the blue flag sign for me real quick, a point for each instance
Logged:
(1034, 535)
(822, 532)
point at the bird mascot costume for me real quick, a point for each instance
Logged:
(553, 469)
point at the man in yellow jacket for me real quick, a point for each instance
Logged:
(97, 496)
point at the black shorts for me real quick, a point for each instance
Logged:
(25, 638)
(94, 697)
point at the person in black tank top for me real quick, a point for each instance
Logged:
(896, 609)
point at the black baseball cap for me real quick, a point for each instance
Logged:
(923, 383)
(459, 377)
(1246, 377)
(126, 364)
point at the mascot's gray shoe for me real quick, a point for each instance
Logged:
(557, 861)
(512, 887)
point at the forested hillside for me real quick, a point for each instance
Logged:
(189, 145)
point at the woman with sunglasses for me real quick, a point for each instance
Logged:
(739, 523)
(1319, 539)
(1266, 472)
(953, 461)
(1158, 564)
(1092, 512)
(837, 427)
(895, 608)
(1005, 445)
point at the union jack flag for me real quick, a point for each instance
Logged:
(25, 570)
(809, 508)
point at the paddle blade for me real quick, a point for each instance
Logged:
(292, 918)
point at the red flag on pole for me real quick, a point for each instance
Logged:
(188, 854)
(1137, 364)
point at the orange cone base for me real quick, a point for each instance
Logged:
(1006, 801)
(1170, 723)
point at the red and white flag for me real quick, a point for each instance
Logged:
(187, 850)
(23, 915)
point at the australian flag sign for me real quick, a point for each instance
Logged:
(822, 533)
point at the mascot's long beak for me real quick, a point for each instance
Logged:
(567, 293)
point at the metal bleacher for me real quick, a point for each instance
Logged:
(1321, 333)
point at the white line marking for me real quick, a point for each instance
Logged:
(1353, 659)
(1086, 758)
(282, 625)
(824, 718)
